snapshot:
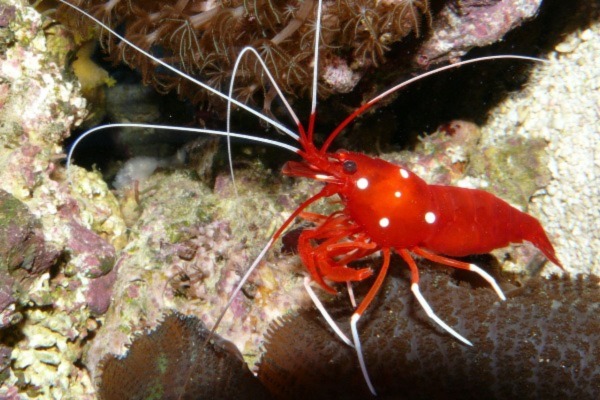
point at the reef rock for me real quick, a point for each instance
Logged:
(23, 257)
(56, 235)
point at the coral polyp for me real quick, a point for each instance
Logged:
(540, 344)
(174, 361)
(204, 39)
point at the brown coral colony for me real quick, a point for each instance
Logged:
(204, 38)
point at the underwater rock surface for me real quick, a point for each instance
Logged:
(465, 24)
(23, 257)
(188, 248)
(56, 237)
(560, 105)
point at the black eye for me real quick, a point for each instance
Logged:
(349, 167)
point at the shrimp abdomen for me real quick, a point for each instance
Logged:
(471, 221)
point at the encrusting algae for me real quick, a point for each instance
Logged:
(63, 238)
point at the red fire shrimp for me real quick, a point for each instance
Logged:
(384, 208)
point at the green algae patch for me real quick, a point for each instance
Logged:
(21, 238)
(516, 168)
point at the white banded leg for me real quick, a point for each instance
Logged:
(359, 354)
(415, 289)
(461, 265)
(386, 251)
(325, 314)
(489, 279)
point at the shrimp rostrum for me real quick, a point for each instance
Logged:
(384, 208)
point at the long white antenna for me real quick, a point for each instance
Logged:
(230, 97)
(265, 69)
(313, 106)
(452, 66)
(177, 129)
(324, 313)
(360, 110)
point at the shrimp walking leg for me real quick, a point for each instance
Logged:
(461, 265)
(414, 287)
(361, 309)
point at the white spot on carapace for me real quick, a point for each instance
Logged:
(322, 177)
(404, 173)
(430, 217)
(384, 222)
(398, 194)
(362, 183)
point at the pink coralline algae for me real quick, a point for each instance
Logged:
(99, 293)
(23, 256)
(56, 236)
(463, 25)
(94, 253)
